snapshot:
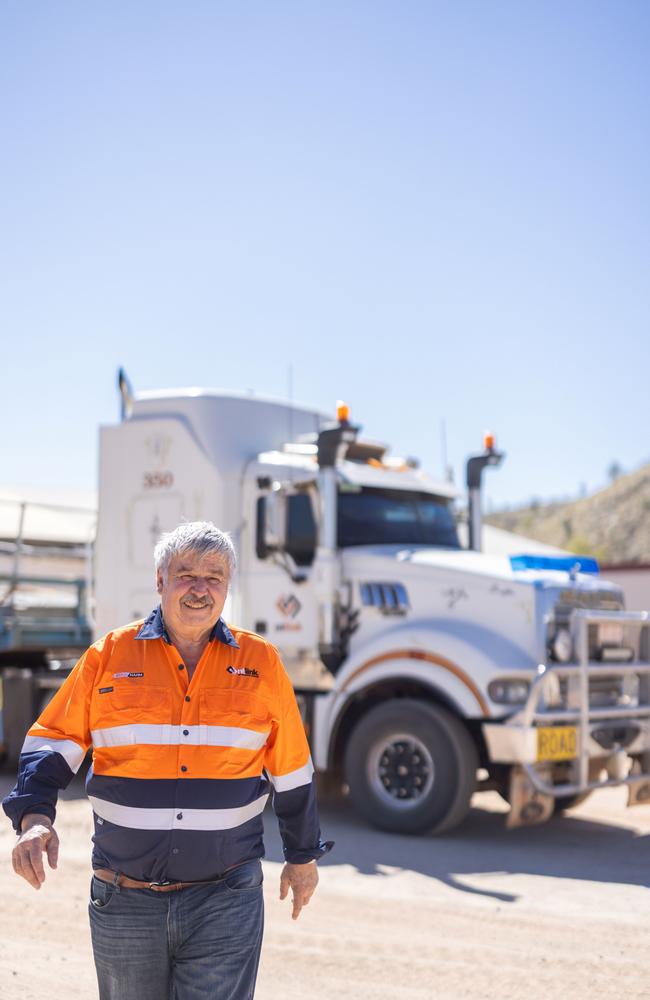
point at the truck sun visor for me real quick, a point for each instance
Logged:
(585, 564)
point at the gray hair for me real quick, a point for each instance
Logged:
(200, 537)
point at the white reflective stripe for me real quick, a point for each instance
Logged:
(211, 736)
(122, 736)
(167, 819)
(71, 752)
(294, 779)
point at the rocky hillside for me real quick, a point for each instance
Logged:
(612, 524)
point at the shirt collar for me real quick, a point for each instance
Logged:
(153, 627)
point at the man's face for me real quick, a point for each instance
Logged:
(193, 592)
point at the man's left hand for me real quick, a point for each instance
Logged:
(302, 879)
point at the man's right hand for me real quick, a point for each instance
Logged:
(37, 835)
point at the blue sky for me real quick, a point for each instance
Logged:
(431, 210)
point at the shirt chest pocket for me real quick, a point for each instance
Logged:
(234, 718)
(133, 705)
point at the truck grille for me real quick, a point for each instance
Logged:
(605, 692)
(608, 641)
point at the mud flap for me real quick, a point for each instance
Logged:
(638, 792)
(528, 807)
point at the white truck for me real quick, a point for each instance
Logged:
(425, 671)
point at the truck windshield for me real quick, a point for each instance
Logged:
(384, 517)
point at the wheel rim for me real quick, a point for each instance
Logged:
(400, 770)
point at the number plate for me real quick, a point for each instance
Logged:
(557, 743)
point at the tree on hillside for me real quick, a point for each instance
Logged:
(614, 470)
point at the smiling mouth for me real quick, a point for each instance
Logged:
(196, 605)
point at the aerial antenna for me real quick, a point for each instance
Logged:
(447, 470)
(443, 444)
(290, 398)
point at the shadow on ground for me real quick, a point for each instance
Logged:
(568, 846)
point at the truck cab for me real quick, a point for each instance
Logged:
(424, 669)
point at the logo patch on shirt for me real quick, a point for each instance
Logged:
(243, 671)
(105, 690)
(126, 673)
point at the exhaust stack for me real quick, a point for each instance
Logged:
(332, 444)
(475, 466)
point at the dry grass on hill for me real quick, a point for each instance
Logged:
(613, 524)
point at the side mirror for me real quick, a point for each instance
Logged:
(300, 536)
(271, 518)
(261, 548)
(286, 523)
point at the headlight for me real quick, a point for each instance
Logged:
(508, 691)
(562, 645)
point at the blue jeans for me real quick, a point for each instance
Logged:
(199, 943)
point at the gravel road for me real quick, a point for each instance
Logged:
(556, 911)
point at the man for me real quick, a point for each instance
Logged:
(184, 716)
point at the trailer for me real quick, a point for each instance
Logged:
(45, 605)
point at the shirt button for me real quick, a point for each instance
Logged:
(183, 768)
(187, 697)
(179, 815)
(174, 850)
(186, 732)
(181, 666)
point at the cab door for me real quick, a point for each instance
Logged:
(277, 592)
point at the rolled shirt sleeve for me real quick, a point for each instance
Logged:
(55, 746)
(289, 768)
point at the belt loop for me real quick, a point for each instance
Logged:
(116, 881)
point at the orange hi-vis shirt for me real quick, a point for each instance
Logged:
(181, 769)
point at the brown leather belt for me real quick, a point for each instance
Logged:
(115, 878)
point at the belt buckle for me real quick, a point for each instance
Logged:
(161, 886)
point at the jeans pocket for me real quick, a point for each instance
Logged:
(245, 877)
(101, 893)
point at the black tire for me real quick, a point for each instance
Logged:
(432, 789)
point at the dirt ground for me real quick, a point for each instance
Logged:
(557, 911)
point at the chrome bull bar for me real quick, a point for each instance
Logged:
(607, 744)
(617, 760)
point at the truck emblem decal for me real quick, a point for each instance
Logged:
(289, 605)
(454, 595)
(158, 447)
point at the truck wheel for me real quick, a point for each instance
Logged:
(411, 767)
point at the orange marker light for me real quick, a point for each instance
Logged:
(488, 441)
(342, 412)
